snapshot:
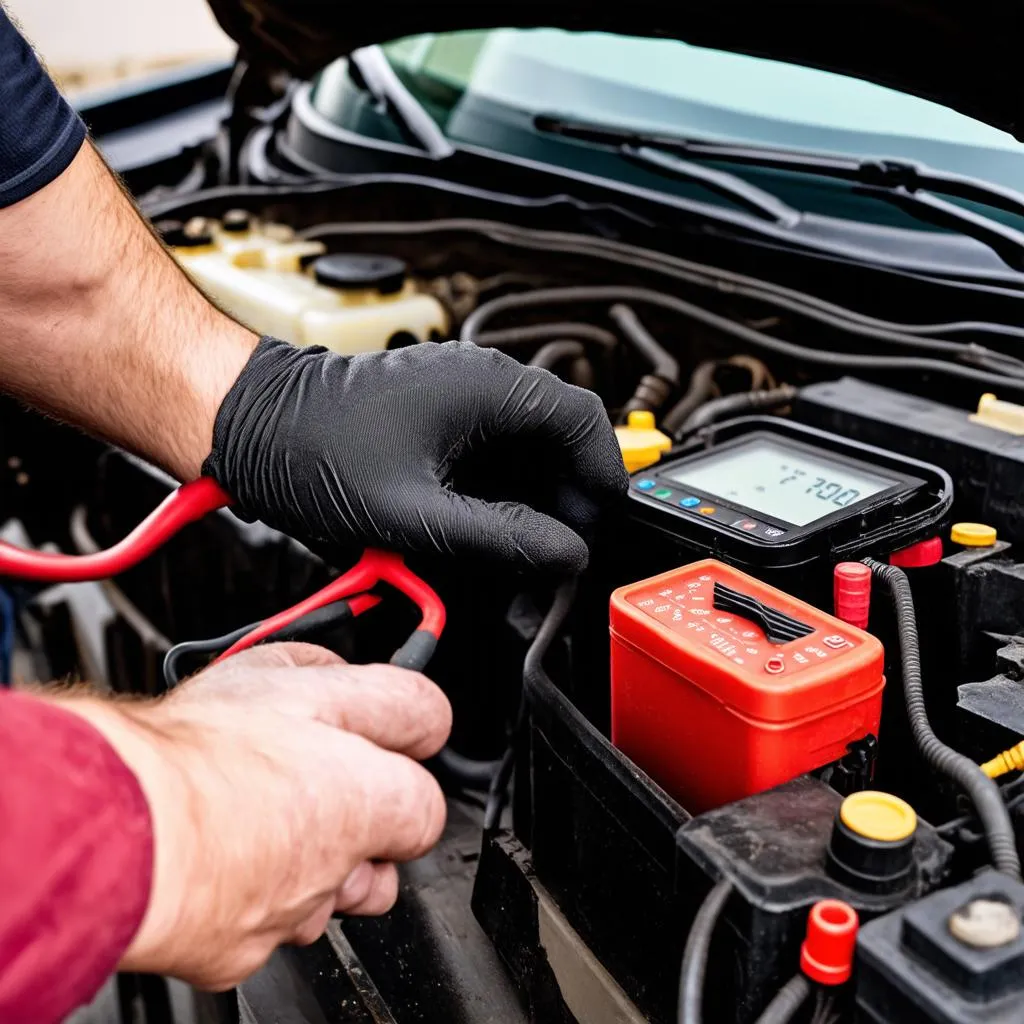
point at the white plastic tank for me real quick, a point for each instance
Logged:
(276, 284)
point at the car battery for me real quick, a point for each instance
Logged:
(722, 686)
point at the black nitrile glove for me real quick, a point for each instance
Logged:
(337, 450)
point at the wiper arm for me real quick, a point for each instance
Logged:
(1006, 242)
(381, 82)
(741, 192)
(904, 182)
(882, 172)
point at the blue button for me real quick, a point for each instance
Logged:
(644, 485)
(690, 502)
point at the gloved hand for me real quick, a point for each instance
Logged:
(340, 449)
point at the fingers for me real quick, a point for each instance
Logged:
(392, 707)
(396, 808)
(371, 889)
(397, 709)
(569, 419)
(508, 531)
(292, 654)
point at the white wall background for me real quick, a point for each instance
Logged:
(102, 39)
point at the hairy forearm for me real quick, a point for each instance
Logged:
(99, 326)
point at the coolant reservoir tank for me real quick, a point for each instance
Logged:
(288, 287)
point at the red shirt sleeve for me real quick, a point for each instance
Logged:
(76, 860)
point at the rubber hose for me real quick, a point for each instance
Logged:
(695, 955)
(700, 274)
(787, 1001)
(702, 382)
(982, 791)
(581, 373)
(730, 405)
(545, 332)
(663, 363)
(735, 330)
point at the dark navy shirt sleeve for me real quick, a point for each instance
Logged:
(39, 132)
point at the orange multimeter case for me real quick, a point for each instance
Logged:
(723, 686)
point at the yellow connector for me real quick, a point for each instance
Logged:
(1011, 760)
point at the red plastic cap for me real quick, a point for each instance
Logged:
(852, 593)
(925, 552)
(827, 953)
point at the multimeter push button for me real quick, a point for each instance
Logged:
(775, 664)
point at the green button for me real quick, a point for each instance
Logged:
(663, 493)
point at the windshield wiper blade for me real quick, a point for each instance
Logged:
(883, 172)
(731, 187)
(903, 182)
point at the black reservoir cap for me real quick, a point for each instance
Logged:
(353, 271)
(192, 234)
(236, 221)
(872, 843)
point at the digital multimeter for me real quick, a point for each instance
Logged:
(766, 492)
(778, 500)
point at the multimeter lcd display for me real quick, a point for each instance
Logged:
(788, 484)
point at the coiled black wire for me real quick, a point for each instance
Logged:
(695, 955)
(533, 669)
(787, 1001)
(983, 792)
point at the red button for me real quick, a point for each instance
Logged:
(775, 664)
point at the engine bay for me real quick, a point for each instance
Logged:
(748, 739)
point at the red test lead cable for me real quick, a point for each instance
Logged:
(183, 506)
(195, 500)
(374, 567)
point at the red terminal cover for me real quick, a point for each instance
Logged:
(826, 955)
(852, 593)
(919, 555)
(711, 707)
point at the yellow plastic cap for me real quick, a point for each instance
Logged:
(999, 415)
(879, 816)
(640, 440)
(973, 535)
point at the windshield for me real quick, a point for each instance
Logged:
(484, 88)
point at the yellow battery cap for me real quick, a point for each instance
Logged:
(640, 440)
(973, 535)
(879, 816)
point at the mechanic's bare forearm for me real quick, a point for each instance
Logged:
(99, 326)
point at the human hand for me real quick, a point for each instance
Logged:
(283, 786)
(337, 450)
